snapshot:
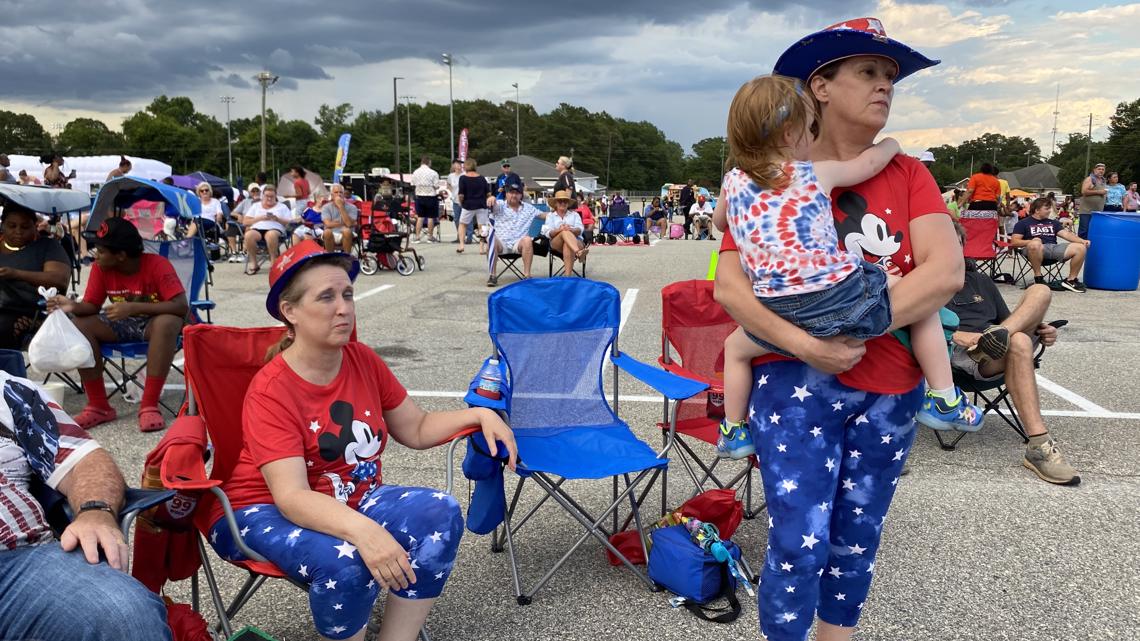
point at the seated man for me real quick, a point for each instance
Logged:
(1035, 236)
(979, 305)
(234, 227)
(701, 216)
(63, 591)
(338, 217)
(264, 220)
(510, 224)
(148, 303)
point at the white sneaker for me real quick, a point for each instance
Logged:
(416, 240)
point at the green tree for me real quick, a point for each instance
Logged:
(22, 134)
(706, 164)
(89, 137)
(1122, 149)
(331, 121)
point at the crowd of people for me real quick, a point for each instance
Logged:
(832, 335)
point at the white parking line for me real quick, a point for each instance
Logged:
(373, 291)
(627, 302)
(1071, 396)
(643, 398)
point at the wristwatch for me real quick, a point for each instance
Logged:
(97, 505)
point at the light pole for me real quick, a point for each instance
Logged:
(229, 137)
(448, 60)
(518, 138)
(266, 80)
(396, 122)
(408, 106)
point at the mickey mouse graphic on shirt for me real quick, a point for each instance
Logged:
(866, 233)
(356, 444)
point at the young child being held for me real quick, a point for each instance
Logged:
(777, 206)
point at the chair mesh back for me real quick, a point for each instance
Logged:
(695, 326)
(190, 262)
(981, 230)
(220, 364)
(556, 378)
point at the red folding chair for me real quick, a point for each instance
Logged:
(695, 325)
(216, 394)
(984, 245)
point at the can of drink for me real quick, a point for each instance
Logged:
(714, 406)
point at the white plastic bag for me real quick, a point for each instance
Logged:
(59, 346)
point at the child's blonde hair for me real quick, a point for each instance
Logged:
(762, 110)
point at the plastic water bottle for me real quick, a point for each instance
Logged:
(490, 381)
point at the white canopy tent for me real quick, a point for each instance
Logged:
(91, 171)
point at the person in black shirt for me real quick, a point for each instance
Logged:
(28, 261)
(1035, 236)
(685, 204)
(979, 306)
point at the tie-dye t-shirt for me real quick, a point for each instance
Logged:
(786, 237)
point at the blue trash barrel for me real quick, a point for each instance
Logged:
(1114, 251)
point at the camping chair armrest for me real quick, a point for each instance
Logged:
(235, 531)
(453, 442)
(669, 385)
(183, 467)
(203, 304)
(680, 370)
(137, 500)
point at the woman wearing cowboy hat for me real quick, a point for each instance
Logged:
(564, 228)
(833, 428)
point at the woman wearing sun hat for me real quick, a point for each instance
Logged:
(564, 227)
(833, 428)
(307, 490)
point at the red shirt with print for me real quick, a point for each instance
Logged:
(874, 217)
(337, 429)
(154, 282)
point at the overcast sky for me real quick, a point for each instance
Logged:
(676, 64)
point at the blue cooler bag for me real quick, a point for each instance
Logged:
(679, 565)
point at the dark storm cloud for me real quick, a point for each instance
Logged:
(104, 55)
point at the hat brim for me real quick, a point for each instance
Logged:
(804, 58)
(273, 298)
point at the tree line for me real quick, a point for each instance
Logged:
(623, 153)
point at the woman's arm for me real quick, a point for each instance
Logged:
(938, 274)
(55, 274)
(384, 557)
(734, 293)
(412, 427)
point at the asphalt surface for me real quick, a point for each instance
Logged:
(975, 546)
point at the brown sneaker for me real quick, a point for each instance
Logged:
(1047, 462)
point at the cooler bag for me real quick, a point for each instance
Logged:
(685, 569)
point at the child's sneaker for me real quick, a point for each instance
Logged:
(735, 440)
(961, 415)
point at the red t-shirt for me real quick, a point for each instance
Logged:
(154, 282)
(875, 216)
(301, 189)
(338, 429)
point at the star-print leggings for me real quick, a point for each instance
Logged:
(428, 523)
(830, 457)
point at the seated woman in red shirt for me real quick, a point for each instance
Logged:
(307, 490)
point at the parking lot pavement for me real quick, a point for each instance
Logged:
(976, 547)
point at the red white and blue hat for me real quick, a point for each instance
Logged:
(286, 266)
(857, 37)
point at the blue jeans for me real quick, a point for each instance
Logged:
(830, 457)
(51, 595)
(427, 523)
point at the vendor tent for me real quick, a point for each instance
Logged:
(44, 199)
(91, 171)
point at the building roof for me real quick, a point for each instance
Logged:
(1041, 176)
(537, 174)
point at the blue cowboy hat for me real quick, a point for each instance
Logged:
(857, 37)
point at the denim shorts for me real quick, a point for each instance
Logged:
(859, 307)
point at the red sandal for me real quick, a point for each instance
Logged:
(150, 420)
(94, 416)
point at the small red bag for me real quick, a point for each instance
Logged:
(719, 507)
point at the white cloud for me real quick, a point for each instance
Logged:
(936, 25)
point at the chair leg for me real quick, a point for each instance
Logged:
(251, 585)
(948, 445)
(215, 595)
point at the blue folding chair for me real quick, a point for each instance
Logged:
(564, 426)
(192, 264)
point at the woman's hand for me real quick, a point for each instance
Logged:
(496, 431)
(832, 355)
(384, 557)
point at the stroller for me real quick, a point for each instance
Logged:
(384, 243)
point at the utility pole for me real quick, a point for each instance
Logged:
(447, 60)
(1056, 112)
(518, 137)
(609, 152)
(1088, 147)
(408, 107)
(1027, 154)
(228, 100)
(722, 156)
(266, 80)
(396, 124)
